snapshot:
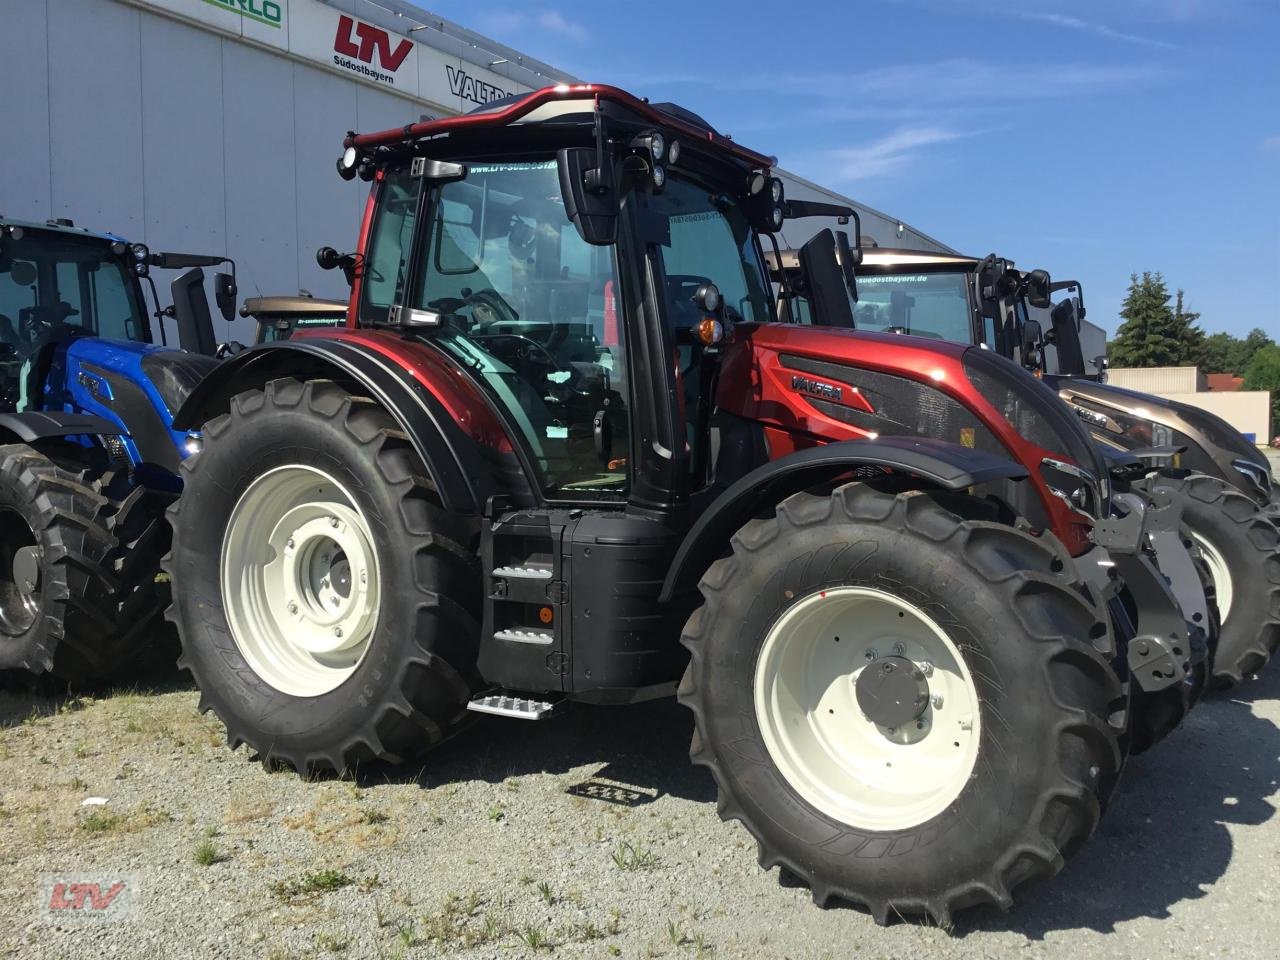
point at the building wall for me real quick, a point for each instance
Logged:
(1161, 380)
(204, 137)
(1249, 411)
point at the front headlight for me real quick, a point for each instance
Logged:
(1074, 471)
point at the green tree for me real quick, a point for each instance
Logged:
(1255, 341)
(1153, 334)
(1263, 373)
(1191, 334)
(1218, 355)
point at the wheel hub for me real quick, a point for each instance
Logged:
(26, 570)
(20, 586)
(867, 708)
(300, 582)
(892, 692)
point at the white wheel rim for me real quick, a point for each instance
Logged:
(300, 582)
(843, 764)
(1219, 572)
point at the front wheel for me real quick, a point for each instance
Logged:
(1240, 545)
(906, 709)
(325, 602)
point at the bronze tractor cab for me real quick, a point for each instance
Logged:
(562, 453)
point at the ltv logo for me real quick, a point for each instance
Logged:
(361, 40)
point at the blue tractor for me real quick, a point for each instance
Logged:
(88, 454)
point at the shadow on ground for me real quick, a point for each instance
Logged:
(1165, 838)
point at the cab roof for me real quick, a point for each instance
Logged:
(552, 103)
(60, 225)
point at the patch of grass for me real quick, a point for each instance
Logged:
(676, 934)
(321, 881)
(331, 944)
(206, 853)
(101, 821)
(544, 891)
(372, 817)
(496, 813)
(455, 924)
(614, 950)
(535, 938)
(627, 856)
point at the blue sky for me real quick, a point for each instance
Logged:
(1095, 139)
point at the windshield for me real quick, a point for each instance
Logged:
(54, 283)
(530, 307)
(920, 304)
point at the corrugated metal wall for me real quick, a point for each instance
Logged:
(133, 123)
(1159, 380)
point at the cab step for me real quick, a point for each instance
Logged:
(518, 635)
(529, 571)
(519, 708)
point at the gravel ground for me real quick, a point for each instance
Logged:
(511, 842)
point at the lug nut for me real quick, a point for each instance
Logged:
(899, 649)
(289, 544)
(926, 668)
(337, 632)
(936, 700)
(334, 522)
(871, 655)
(293, 608)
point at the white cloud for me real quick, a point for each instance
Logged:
(555, 22)
(509, 22)
(892, 153)
(1092, 26)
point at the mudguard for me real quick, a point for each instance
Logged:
(40, 425)
(938, 462)
(465, 473)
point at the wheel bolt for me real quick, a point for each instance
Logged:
(289, 544)
(334, 522)
(871, 655)
(936, 700)
(293, 608)
(899, 649)
(926, 668)
(337, 632)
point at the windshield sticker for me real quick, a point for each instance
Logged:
(510, 167)
(893, 278)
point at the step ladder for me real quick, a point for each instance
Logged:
(518, 708)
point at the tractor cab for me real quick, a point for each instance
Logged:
(77, 335)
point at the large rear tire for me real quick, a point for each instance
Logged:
(992, 777)
(326, 604)
(1240, 544)
(79, 555)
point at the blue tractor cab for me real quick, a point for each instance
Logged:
(88, 454)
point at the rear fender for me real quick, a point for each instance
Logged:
(464, 471)
(934, 463)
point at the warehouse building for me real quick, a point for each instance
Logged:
(1249, 411)
(211, 126)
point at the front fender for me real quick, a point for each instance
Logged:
(465, 473)
(47, 425)
(939, 463)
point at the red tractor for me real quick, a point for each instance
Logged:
(561, 452)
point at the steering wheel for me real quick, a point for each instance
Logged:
(487, 307)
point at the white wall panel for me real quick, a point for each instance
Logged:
(24, 51)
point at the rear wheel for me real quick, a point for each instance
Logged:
(1240, 545)
(79, 554)
(327, 606)
(906, 709)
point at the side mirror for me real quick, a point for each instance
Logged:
(191, 310)
(590, 193)
(828, 296)
(328, 258)
(224, 292)
(848, 260)
(1032, 336)
(1038, 284)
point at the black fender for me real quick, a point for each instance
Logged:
(47, 425)
(935, 462)
(465, 473)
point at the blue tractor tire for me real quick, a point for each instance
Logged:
(80, 550)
